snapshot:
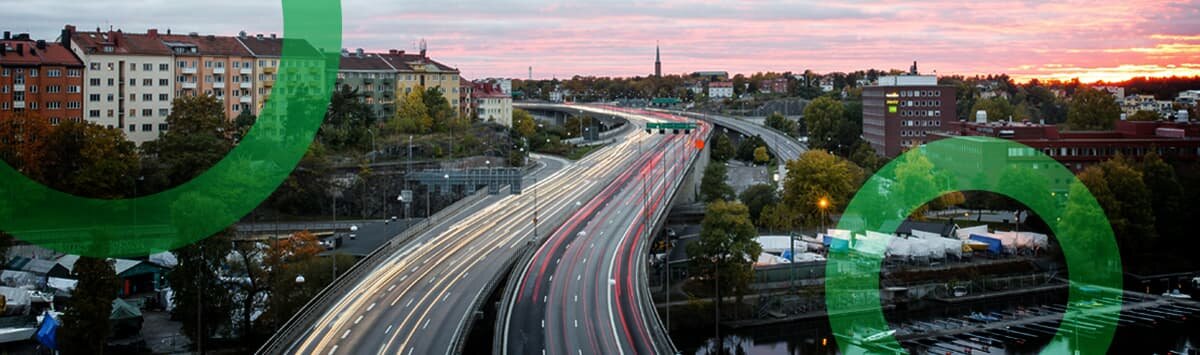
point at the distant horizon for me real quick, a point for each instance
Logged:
(503, 38)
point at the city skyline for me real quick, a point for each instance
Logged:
(503, 39)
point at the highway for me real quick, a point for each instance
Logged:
(422, 299)
(582, 292)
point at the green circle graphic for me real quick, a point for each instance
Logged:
(971, 164)
(221, 195)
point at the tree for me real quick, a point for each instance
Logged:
(712, 184)
(523, 124)
(813, 176)
(439, 109)
(745, 149)
(89, 160)
(201, 310)
(850, 131)
(824, 118)
(23, 136)
(347, 120)
(306, 189)
(412, 116)
(726, 250)
(1126, 200)
(1143, 115)
(198, 139)
(757, 197)
(722, 148)
(251, 280)
(1092, 109)
(864, 156)
(761, 155)
(782, 124)
(85, 327)
(1166, 195)
(997, 108)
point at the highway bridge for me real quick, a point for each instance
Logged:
(584, 291)
(421, 296)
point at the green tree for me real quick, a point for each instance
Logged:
(997, 108)
(347, 120)
(201, 311)
(722, 148)
(89, 160)
(726, 250)
(1126, 200)
(199, 138)
(306, 189)
(1166, 196)
(242, 124)
(1092, 109)
(761, 155)
(712, 184)
(850, 131)
(813, 176)
(523, 124)
(745, 149)
(758, 197)
(782, 124)
(85, 326)
(864, 156)
(439, 109)
(824, 118)
(1143, 115)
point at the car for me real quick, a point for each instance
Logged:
(353, 232)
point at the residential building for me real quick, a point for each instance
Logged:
(418, 71)
(1188, 97)
(773, 86)
(41, 78)
(1079, 149)
(219, 66)
(128, 81)
(492, 104)
(374, 78)
(899, 111)
(1117, 92)
(466, 106)
(720, 89)
(307, 64)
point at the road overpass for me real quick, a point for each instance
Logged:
(781, 145)
(584, 291)
(422, 296)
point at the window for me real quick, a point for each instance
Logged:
(164, 67)
(94, 113)
(73, 105)
(110, 97)
(110, 66)
(208, 64)
(147, 67)
(132, 82)
(163, 82)
(33, 89)
(4, 105)
(94, 98)
(33, 73)
(53, 73)
(133, 128)
(53, 105)
(147, 82)
(94, 66)
(4, 89)
(54, 121)
(147, 113)
(112, 82)
(53, 89)
(147, 127)
(94, 81)
(110, 114)
(75, 73)
(5, 73)
(133, 97)
(162, 126)
(163, 97)
(147, 97)
(164, 113)
(183, 64)
(132, 113)
(74, 89)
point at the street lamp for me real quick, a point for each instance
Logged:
(823, 204)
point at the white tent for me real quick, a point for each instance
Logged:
(779, 243)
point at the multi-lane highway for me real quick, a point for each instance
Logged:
(421, 299)
(581, 293)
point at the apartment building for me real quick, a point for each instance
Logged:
(306, 65)
(373, 77)
(492, 104)
(418, 71)
(128, 80)
(214, 65)
(44, 79)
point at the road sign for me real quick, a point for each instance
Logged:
(675, 127)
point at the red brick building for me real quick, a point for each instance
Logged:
(900, 111)
(1078, 149)
(39, 77)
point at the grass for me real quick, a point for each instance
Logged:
(580, 152)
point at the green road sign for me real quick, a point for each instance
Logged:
(675, 127)
(221, 195)
(971, 164)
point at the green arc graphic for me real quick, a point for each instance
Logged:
(222, 195)
(972, 164)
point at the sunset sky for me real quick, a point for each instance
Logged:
(1110, 40)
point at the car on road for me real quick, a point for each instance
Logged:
(353, 232)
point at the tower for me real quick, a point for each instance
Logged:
(657, 62)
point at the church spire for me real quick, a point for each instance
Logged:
(657, 61)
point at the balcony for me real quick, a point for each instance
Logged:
(18, 104)
(219, 85)
(269, 83)
(246, 99)
(189, 85)
(189, 71)
(268, 70)
(246, 71)
(219, 70)
(245, 85)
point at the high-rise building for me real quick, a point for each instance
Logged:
(129, 80)
(41, 78)
(898, 111)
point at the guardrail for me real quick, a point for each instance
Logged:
(284, 339)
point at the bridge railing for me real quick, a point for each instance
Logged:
(303, 321)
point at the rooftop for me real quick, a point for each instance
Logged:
(28, 52)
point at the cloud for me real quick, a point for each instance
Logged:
(616, 38)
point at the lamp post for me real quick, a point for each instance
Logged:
(823, 204)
